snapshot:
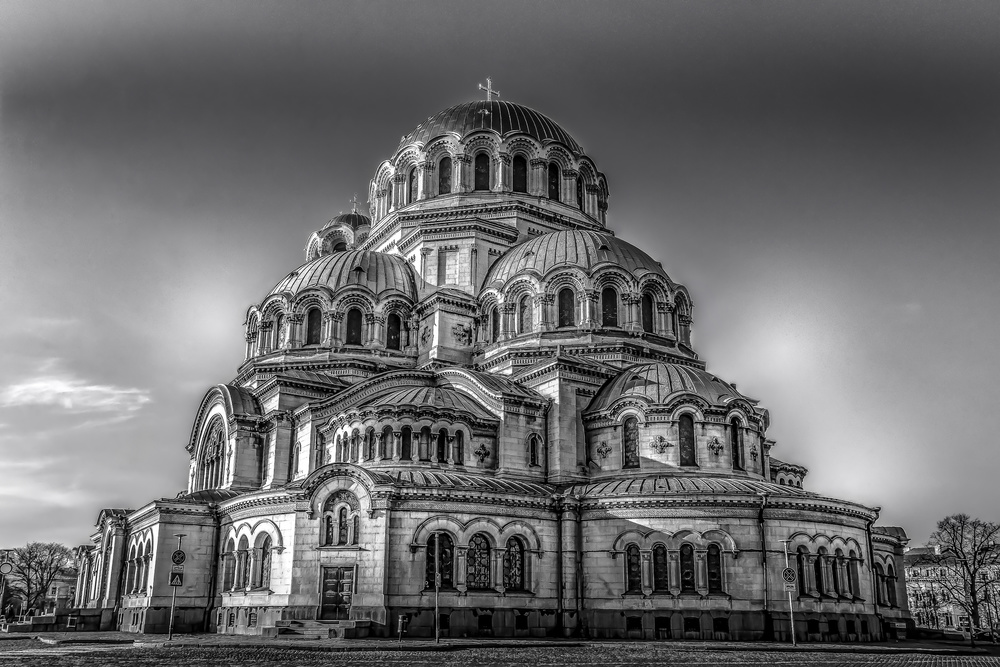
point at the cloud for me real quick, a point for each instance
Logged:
(61, 389)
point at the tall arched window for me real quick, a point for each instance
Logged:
(444, 564)
(513, 565)
(411, 188)
(343, 528)
(482, 169)
(279, 331)
(354, 327)
(229, 566)
(647, 313)
(633, 569)
(477, 562)
(567, 307)
(801, 558)
(836, 563)
(458, 449)
(442, 446)
(393, 326)
(609, 307)
(369, 451)
(687, 569)
(524, 319)
(818, 564)
(387, 443)
(406, 443)
(444, 176)
(520, 180)
(314, 320)
(243, 573)
(661, 578)
(553, 181)
(714, 568)
(890, 585)
(630, 443)
(736, 443)
(533, 446)
(355, 445)
(264, 573)
(579, 192)
(388, 197)
(685, 428)
(494, 324)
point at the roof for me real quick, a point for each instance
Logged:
(584, 249)
(428, 479)
(352, 220)
(438, 397)
(658, 382)
(659, 485)
(502, 118)
(377, 271)
(207, 496)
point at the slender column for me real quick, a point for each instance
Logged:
(588, 301)
(295, 330)
(507, 320)
(632, 300)
(543, 304)
(666, 326)
(674, 572)
(424, 269)
(701, 572)
(568, 194)
(422, 446)
(810, 575)
(449, 450)
(251, 338)
(461, 582)
(424, 178)
(396, 444)
(411, 335)
(377, 328)
(398, 191)
(537, 185)
(473, 261)
(460, 178)
(646, 571)
(685, 325)
(264, 338)
(502, 168)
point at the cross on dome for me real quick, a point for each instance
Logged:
(354, 203)
(489, 89)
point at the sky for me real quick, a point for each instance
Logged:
(824, 177)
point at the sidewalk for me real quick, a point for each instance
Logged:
(942, 648)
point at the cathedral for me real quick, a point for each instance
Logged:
(478, 411)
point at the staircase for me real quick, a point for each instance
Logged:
(322, 629)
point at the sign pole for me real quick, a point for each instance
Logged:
(173, 592)
(791, 611)
(437, 587)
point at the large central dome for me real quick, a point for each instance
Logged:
(504, 118)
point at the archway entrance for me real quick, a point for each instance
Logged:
(337, 589)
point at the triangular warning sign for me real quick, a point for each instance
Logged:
(176, 579)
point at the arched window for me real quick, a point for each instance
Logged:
(524, 315)
(685, 428)
(442, 446)
(388, 197)
(444, 176)
(836, 563)
(264, 573)
(879, 584)
(458, 449)
(243, 573)
(443, 563)
(279, 331)
(314, 320)
(609, 307)
(406, 444)
(520, 180)
(482, 169)
(661, 578)
(647, 313)
(355, 445)
(369, 450)
(343, 528)
(630, 443)
(477, 562)
(393, 326)
(801, 559)
(513, 565)
(736, 443)
(633, 569)
(533, 444)
(229, 566)
(494, 324)
(355, 529)
(714, 569)
(579, 192)
(687, 569)
(567, 307)
(890, 585)
(553, 181)
(852, 574)
(411, 188)
(340, 246)
(387, 444)
(354, 327)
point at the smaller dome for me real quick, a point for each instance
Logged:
(352, 220)
(658, 382)
(376, 271)
(582, 249)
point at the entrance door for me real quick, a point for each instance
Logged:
(338, 584)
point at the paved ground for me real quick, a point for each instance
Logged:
(213, 651)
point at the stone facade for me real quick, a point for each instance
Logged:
(481, 396)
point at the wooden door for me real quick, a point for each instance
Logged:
(337, 587)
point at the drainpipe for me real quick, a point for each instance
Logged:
(559, 510)
(768, 621)
(214, 571)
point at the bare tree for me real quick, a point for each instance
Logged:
(968, 555)
(35, 568)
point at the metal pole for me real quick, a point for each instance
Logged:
(173, 594)
(791, 611)
(437, 587)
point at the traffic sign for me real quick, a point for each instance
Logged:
(6, 568)
(176, 578)
(178, 557)
(789, 575)
(176, 568)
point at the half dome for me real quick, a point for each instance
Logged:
(376, 271)
(501, 118)
(352, 220)
(658, 382)
(583, 249)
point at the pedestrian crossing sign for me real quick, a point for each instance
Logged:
(176, 578)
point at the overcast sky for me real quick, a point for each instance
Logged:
(824, 177)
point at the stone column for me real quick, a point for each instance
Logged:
(449, 450)
(685, 326)
(646, 570)
(255, 556)
(543, 304)
(588, 302)
(295, 330)
(809, 566)
(473, 262)
(674, 572)
(398, 191)
(264, 339)
(424, 178)
(396, 444)
(632, 301)
(460, 180)
(590, 200)
(701, 572)
(568, 194)
(502, 171)
(424, 252)
(376, 327)
(507, 311)
(537, 177)
(666, 324)
(251, 338)
(460, 568)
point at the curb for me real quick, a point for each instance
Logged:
(70, 642)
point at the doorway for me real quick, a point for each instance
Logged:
(337, 588)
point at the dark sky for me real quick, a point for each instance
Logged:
(823, 176)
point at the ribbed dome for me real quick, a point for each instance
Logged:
(353, 220)
(683, 485)
(442, 398)
(377, 271)
(503, 118)
(583, 249)
(658, 382)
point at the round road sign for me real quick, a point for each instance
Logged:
(178, 557)
(788, 574)
(6, 568)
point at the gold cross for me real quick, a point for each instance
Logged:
(489, 89)
(354, 203)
